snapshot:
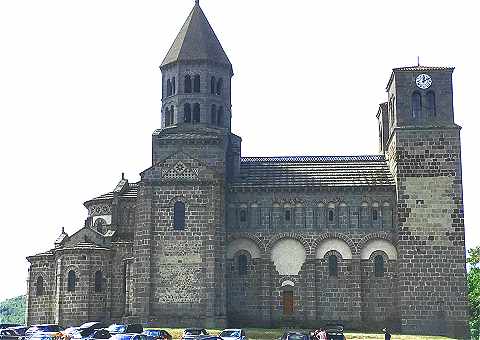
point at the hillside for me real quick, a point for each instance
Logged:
(13, 310)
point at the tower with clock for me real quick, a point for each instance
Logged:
(422, 146)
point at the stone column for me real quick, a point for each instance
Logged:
(29, 293)
(355, 278)
(311, 291)
(142, 254)
(266, 292)
(58, 292)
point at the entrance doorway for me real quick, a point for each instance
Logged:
(287, 302)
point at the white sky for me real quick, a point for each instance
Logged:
(80, 93)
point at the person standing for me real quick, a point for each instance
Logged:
(388, 336)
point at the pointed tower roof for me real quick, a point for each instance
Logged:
(196, 41)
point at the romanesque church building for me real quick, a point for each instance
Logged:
(210, 238)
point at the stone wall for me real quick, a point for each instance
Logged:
(354, 295)
(432, 284)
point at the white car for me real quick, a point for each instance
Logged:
(233, 334)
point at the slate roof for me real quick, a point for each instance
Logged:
(423, 68)
(130, 192)
(314, 171)
(196, 41)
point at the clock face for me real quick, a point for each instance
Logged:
(423, 81)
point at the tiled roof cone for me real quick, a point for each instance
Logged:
(196, 41)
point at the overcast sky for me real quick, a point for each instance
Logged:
(80, 93)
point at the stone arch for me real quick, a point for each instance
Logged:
(377, 235)
(250, 236)
(288, 255)
(336, 244)
(243, 244)
(278, 237)
(335, 235)
(378, 244)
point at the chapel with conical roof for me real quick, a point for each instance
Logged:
(208, 238)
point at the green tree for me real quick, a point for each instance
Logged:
(473, 280)
(13, 310)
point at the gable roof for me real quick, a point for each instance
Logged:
(314, 171)
(196, 41)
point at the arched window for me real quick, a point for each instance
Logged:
(213, 115)
(220, 116)
(171, 115)
(196, 113)
(169, 87)
(331, 216)
(187, 113)
(288, 215)
(379, 266)
(242, 265)
(416, 105)
(219, 86)
(374, 214)
(40, 287)
(174, 87)
(212, 85)
(167, 116)
(188, 84)
(196, 83)
(179, 216)
(98, 282)
(430, 105)
(332, 265)
(71, 281)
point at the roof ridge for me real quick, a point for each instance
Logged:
(353, 158)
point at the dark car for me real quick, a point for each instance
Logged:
(193, 333)
(157, 334)
(8, 334)
(98, 334)
(87, 329)
(125, 328)
(19, 330)
(334, 332)
(45, 328)
(295, 335)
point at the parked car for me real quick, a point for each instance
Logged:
(8, 325)
(129, 336)
(157, 334)
(87, 329)
(334, 331)
(8, 334)
(19, 330)
(44, 328)
(295, 335)
(125, 328)
(98, 334)
(193, 333)
(233, 334)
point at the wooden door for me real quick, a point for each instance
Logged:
(287, 303)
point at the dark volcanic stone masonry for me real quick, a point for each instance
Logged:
(210, 238)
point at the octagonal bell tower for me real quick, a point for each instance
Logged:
(196, 77)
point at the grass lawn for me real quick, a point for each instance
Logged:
(273, 334)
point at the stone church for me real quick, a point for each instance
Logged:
(210, 238)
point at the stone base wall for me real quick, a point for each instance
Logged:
(432, 273)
